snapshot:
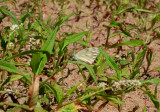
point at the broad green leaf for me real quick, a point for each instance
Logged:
(35, 63)
(38, 60)
(90, 69)
(111, 63)
(131, 42)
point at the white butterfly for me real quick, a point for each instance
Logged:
(87, 55)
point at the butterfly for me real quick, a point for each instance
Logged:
(87, 55)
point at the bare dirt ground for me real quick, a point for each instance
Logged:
(93, 19)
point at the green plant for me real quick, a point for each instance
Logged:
(50, 55)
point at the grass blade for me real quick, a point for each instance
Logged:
(8, 66)
(29, 52)
(138, 63)
(131, 42)
(111, 63)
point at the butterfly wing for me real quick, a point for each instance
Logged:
(87, 55)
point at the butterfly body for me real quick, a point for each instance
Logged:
(87, 55)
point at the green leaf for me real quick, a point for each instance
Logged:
(101, 68)
(114, 100)
(49, 44)
(65, 18)
(29, 52)
(111, 63)
(73, 38)
(13, 18)
(11, 92)
(144, 109)
(124, 71)
(40, 100)
(36, 63)
(151, 81)
(73, 108)
(155, 91)
(131, 42)
(155, 18)
(15, 105)
(124, 62)
(125, 10)
(70, 91)
(138, 62)
(4, 82)
(157, 68)
(15, 77)
(104, 79)
(154, 100)
(57, 92)
(90, 69)
(8, 66)
(143, 10)
(3, 14)
(38, 60)
(114, 34)
(118, 25)
(38, 108)
(82, 43)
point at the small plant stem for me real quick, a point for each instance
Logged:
(120, 107)
(84, 77)
(108, 30)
